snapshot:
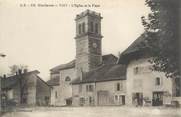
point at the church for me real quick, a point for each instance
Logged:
(93, 79)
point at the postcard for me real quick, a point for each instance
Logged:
(90, 58)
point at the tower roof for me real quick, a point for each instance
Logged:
(88, 12)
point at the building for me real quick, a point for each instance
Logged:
(93, 79)
(90, 71)
(145, 87)
(98, 82)
(61, 77)
(25, 88)
(105, 85)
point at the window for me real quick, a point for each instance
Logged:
(142, 69)
(80, 88)
(82, 101)
(89, 88)
(67, 78)
(157, 82)
(56, 95)
(83, 27)
(10, 94)
(96, 28)
(92, 27)
(91, 100)
(118, 86)
(79, 28)
(136, 70)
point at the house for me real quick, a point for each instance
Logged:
(145, 87)
(105, 85)
(25, 88)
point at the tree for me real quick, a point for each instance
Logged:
(18, 70)
(162, 32)
(14, 69)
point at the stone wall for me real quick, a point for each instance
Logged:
(55, 101)
(88, 42)
(66, 77)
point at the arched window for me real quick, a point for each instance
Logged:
(79, 28)
(96, 28)
(56, 94)
(67, 78)
(83, 27)
(158, 81)
(92, 27)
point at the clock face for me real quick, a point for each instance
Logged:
(94, 45)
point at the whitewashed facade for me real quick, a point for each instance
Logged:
(100, 93)
(146, 87)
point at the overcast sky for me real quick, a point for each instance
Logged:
(43, 37)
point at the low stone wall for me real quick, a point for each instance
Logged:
(177, 99)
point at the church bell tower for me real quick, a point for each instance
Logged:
(88, 41)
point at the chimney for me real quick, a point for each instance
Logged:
(20, 71)
(4, 76)
(119, 55)
(25, 70)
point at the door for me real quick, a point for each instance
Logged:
(103, 98)
(123, 100)
(157, 99)
(138, 99)
(91, 101)
(69, 101)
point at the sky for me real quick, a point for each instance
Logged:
(43, 37)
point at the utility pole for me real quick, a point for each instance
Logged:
(1, 55)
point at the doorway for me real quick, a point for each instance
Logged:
(157, 99)
(103, 98)
(122, 99)
(138, 99)
(69, 101)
